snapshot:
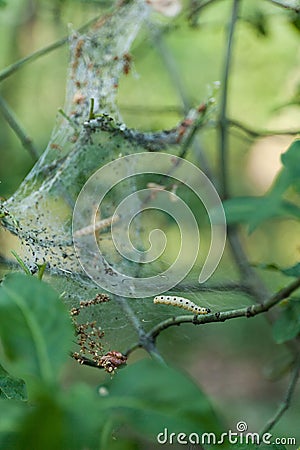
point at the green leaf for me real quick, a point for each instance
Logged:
(291, 160)
(293, 271)
(231, 446)
(41, 270)
(35, 327)
(251, 210)
(11, 414)
(11, 388)
(62, 420)
(21, 263)
(295, 20)
(287, 326)
(152, 398)
(85, 411)
(240, 209)
(55, 420)
(288, 209)
(255, 447)
(255, 210)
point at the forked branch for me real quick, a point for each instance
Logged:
(249, 311)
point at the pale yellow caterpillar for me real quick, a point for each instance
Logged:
(100, 225)
(181, 302)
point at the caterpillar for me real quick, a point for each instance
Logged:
(100, 225)
(181, 302)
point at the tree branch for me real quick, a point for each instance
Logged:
(250, 311)
(145, 341)
(183, 133)
(5, 73)
(249, 277)
(223, 121)
(260, 133)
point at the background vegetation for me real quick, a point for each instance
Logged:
(247, 367)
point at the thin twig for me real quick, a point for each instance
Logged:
(157, 140)
(123, 303)
(260, 133)
(249, 276)
(255, 286)
(84, 361)
(191, 140)
(5, 73)
(249, 311)
(13, 122)
(223, 121)
(144, 340)
(217, 317)
(175, 77)
(286, 5)
(287, 398)
(172, 69)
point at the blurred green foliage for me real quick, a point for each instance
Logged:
(264, 93)
(35, 335)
